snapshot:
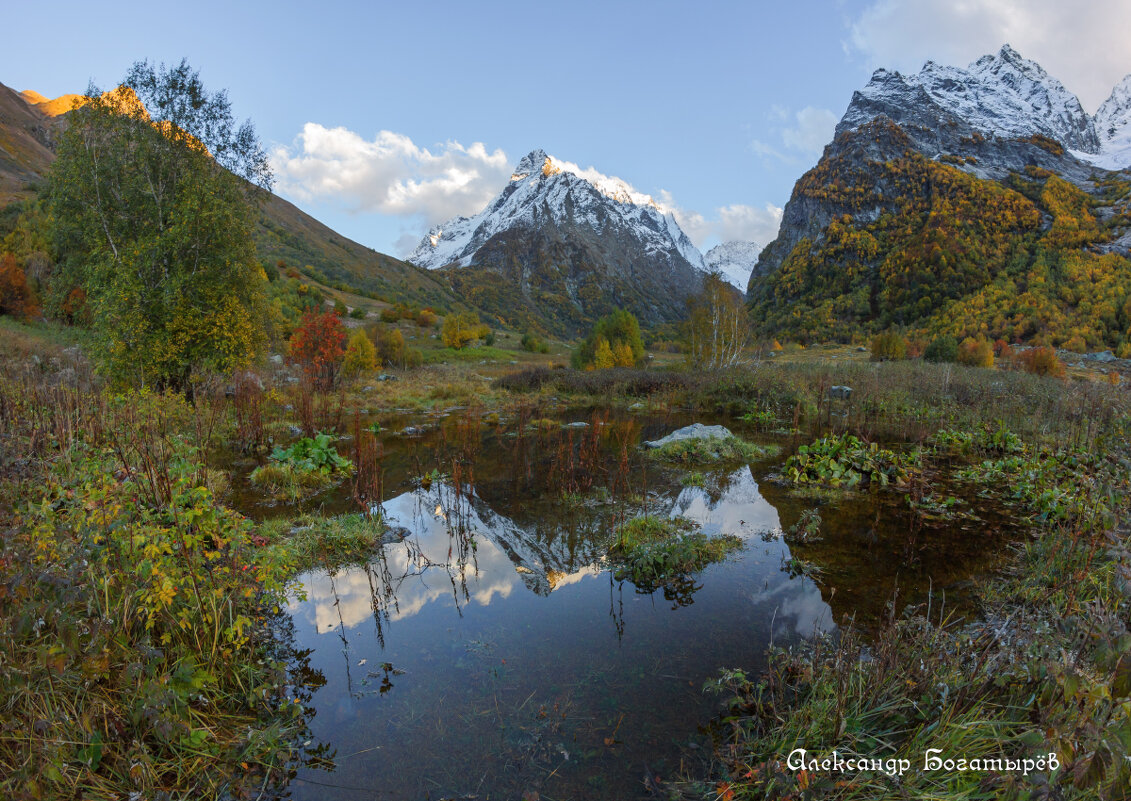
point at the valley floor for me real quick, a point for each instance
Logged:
(144, 647)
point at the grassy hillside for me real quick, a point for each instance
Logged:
(286, 233)
(28, 122)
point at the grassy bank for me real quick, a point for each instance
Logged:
(1045, 669)
(137, 651)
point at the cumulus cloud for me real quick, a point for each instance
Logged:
(389, 174)
(1084, 44)
(727, 223)
(802, 134)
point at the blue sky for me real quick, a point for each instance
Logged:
(386, 118)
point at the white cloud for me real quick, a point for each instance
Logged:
(727, 223)
(1084, 44)
(802, 134)
(813, 130)
(389, 174)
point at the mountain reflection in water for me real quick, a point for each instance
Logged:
(510, 655)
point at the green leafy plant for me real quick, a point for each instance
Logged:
(807, 528)
(307, 466)
(313, 453)
(845, 461)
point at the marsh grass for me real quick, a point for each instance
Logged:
(905, 400)
(313, 541)
(1045, 669)
(282, 481)
(713, 450)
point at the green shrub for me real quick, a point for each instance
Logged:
(614, 340)
(147, 670)
(942, 349)
(532, 343)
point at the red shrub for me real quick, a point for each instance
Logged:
(318, 345)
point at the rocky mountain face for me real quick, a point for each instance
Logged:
(560, 246)
(1000, 146)
(734, 261)
(26, 145)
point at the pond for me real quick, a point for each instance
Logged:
(488, 652)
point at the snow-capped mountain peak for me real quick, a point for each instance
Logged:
(734, 261)
(546, 189)
(1113, 126)
(1002, 94)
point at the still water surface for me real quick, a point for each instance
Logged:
(491, 653)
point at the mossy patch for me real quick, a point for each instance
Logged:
(713, 450)
(310, 541)
(656, 552)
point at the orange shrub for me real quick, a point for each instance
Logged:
(976, 353)
(1042, 361)
(16, 297)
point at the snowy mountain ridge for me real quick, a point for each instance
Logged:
(543, 189)
(1113, 127)
(1005, 96)
(734, 261)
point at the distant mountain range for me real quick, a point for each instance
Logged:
(557, 249)
(973, 201)
(976, 201)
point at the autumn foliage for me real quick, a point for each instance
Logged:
(1042, 361)
(318, 346)
(16, 297)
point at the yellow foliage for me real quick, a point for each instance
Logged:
(462, 328)
(361, 354)
(976, 353)
(603, 354)
(622, 355)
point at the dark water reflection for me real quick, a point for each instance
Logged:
(491, 653)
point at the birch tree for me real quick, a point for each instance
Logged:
(153, 194)
(718, 326)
